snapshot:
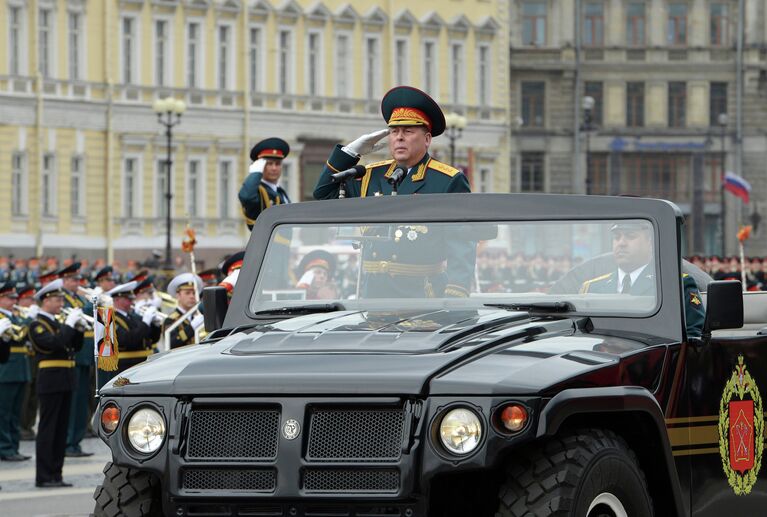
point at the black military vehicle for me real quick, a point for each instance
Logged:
(452, 355)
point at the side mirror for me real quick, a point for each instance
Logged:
(215, 303)
(724, 306)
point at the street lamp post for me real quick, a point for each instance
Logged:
(165, 109)
(722, 120)
(587, 103)
(455, 123)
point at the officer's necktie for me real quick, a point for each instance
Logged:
(626, 284)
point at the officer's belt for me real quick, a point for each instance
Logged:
(133, 355)
(56, 363)
(19, 350)
(400, 269)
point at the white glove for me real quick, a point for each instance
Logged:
(197, 321)
(5, 324)
(159, 319)
(257, 166)
(74, 318)
(366, 144)
(306, 280)
(139, 304)
(33, 310)
(149, 315)
(230, 281)
(156, 301)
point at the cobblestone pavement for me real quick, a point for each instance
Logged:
(20, 497)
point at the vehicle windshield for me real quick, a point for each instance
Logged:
(598, 267)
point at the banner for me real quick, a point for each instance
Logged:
(105, 339)
(738, 186)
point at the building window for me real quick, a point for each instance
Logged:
(371, 68)
(532, 175)
(223, 57)
(286, 178)
(283, 73)
(429, 68)
(128, 50)
(635, 104)
(161, 208)
(533, 104)
(598, 180)
(718, 24)
(254, 56)
(717, 102)
(677, 24)
(193, 188)
(193, 45)
(45, 27)
(15, 36)
(534, 23)
(77, 185)
(484, 180)
(313, 58)
(18, 187)
(130, 187)
(401, 61)
(594, 89)
(635, 24)
(160, 51)
(483, 75)
(593, 24)
(677, 104)
(48, 185)
(75, 43)
(457, 73)
(224, 187)
(342, 66)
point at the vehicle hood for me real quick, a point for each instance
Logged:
(364, 353)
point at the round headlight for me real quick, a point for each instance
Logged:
(460, 431)
(146, 430)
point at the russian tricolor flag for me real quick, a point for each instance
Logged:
(738, 186)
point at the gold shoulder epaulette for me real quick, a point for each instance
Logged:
(685, 275)
(585, 285)
(443, 168)
(174, 315)
(378, 164)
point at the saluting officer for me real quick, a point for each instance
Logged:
(55, 346)
(14, 374)
(134, 332)
(80, 408)
(410, 262)
(183, 288)
(261, 189)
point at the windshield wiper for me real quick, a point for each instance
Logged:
(301, 309)
(535, 307)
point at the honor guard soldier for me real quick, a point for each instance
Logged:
(14, 374)
(261, 189)
(104, 279)
(410, 262)
(134, 333)
(80, 410)
(27, 304)
(55, 345)
(183, 288)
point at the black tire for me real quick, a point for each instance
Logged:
(127, 492)
(564, 475)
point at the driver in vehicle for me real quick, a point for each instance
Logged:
(635, 275)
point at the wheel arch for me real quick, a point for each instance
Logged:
(640, 423)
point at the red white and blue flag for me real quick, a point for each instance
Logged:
(738, 186)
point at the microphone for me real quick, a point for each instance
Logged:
(355, 172)
(397, 175)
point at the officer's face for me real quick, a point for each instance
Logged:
(185, 298)
(272, 170)
(70, 283)
(408, 144)
(6, 302)
(52, 304)
(631, 249)
(122, 303)
(107, 283)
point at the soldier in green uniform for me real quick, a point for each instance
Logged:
(261, 188)
(80, 407)
(409, 260)
(26, 300)
(182, 287)
(14, 374)
(635, 273)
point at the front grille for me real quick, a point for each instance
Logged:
(355, 435)
(370, 481)
(233, 434)
(250, 480)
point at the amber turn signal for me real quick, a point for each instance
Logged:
(110, 417)
(514, 417)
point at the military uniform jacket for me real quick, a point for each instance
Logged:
(53, 341)
(256, 196)
(133, 335)
(183, 334)
(412, 260)
(85, 356)
(16, 368)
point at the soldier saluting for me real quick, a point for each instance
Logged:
(261, 189)
(55, 345)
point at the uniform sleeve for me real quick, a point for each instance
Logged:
(338, 161)
(131, 339)
(694, 312)
(47, 343)
(250, 198)
(459, 183)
